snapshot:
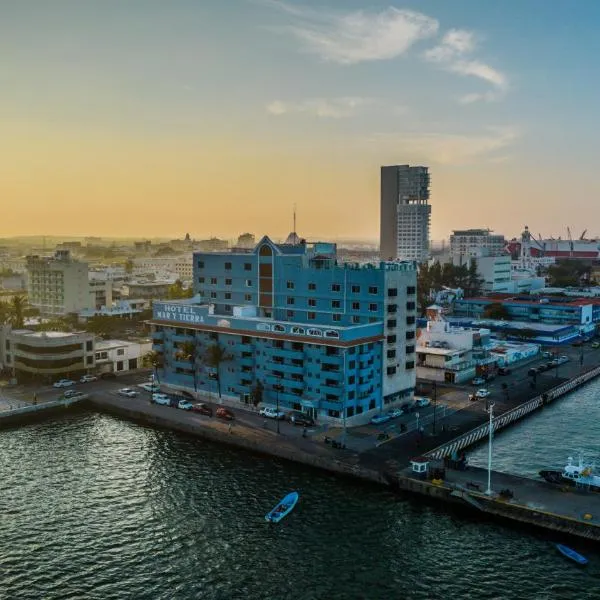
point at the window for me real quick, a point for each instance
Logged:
(392, 292)
(410, 306)
(356, 289)
(201, 264)
(290, 314)
(391, 323)
(391, 370)
(227, 295)
(337, 317)
(289, 285)
(89, 346)
(410, 320)
(228, 282)
(336, 287)
(356, 306)
(248, 282)
(312, 302)
(373, 290)
(290, 300)
(248, 297)
(89, 360)
(356, 319)
(391, 353)
(312, 287)
(410, 349)
(372, 307)
(410, 335)
(391, 339)
(120, 365)
(351, 379)
(392, 308)
(228, 266)
(200, 279)
(410, 365)
(352, 364)
(411, 290)
(213, 281)
(311, 316)
(120, 351)
(247, 266)
(335, 304)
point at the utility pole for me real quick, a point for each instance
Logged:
(491, 432)
(277, 400)
(434, 404)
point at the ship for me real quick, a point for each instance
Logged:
(580, 474)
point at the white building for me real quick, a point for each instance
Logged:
(465, 243)
(117, 356)
(180, 267)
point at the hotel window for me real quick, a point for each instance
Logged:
(335, 304)
(356, 319)
(228, 282)
(290, 300)
(248, 282)
(356, 289)
(351, 379)
(290, 285)
(213, 281)
(311, 316)
(247, 266)
(336, 287)
(337, 317)
(290, 314)
(410, 365)
(227, 295)
(228, 266)
(213, 295)
(372, 307)
(312, 302)
(201, 264)
(312, 287)
(200, 279)
(356, 306)
(248, 297)
(373, 290)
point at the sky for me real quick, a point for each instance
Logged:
(215, 117)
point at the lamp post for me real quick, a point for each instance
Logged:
(434, 404)
(277, 401)
(490, 410)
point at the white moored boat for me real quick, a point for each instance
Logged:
(580, 474)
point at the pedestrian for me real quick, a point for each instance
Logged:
(229, 428)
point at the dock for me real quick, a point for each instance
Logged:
(34, 412)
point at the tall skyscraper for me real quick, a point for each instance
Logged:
(405, 213)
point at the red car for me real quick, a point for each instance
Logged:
(203, 409)
(225, 413)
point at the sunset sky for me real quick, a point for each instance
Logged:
(155, 118)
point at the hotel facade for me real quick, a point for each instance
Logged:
(334, 340)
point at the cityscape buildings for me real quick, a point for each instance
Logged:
(336, 340)
(405, 213)
(465, 243)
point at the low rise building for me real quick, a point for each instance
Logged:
(123, 308)
(147, 289)
(466, 243)
(116, 356)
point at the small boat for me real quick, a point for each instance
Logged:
(283, 508)
(580, 474)
(570, 553)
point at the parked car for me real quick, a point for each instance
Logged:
(533, 371)
(64, 383)
(422, 402)
(225, 413)
(301, 419)
(563, 359)
(127, 392)
(595, 344)
(577, 343)
(161, 399)
(185, 405)
(379, 419)
(108, 375)
(547, 355)
(88, 379)
(478, 381)
(203, 409)
(482, 393)
(271, 413)
(394, 413)
(150, 387)
(504, 371)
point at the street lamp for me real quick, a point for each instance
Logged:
(277, 401)
(490, 410)
(434, 404)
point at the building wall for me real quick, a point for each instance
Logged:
(119, 356)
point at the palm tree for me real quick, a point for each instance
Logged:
(187, 351)
(17, 306)
(155, 360)
(4, 312)
(215, 356)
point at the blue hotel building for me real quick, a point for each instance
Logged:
(333, 340)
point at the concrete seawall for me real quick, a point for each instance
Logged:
(504, 420)
(35, 412)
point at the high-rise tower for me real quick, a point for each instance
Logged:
(405, 213)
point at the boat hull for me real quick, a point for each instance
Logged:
(554, 476)
(283, 508)
(571, 554)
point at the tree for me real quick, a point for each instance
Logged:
(17, 306)
(495, 310)
(177, 291)
(5, 312)
(187, 351)
(257, 392)
(215, 356)
(474, 282)
(155, 360)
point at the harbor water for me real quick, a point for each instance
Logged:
(93, 507)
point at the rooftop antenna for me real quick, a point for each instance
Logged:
(294, 229)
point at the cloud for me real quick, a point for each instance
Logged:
(332, 108)
(452, 54)
(357, 36)
(452, 149)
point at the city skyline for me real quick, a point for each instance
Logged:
(123, 122)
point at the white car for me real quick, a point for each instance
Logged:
(185, 405)
(72, 393)
(161, 399)
(150, 387)
(88, 378)
(422, 402)
(393, 413)
(64, 383)
(271, 413)
(482, 393)
(127, 392)
(478, 381)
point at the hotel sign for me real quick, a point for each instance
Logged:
(179, 313)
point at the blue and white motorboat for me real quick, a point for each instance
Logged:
(578, 474)
(571, 554)
(282, 509)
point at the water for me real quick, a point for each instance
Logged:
(547, 438)
(92, 507)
